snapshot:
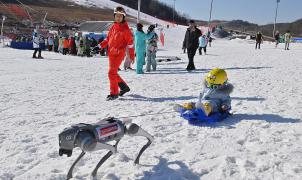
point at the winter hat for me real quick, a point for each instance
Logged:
(192, 21)
(139, 27)
(151, 28)
(120, 10)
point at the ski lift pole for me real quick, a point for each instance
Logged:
(209, 23)
(3, 19)
(274, 31)
(174, 12)
(138, 10)
(44, 19)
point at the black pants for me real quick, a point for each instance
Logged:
(35, 52)
(191, 53)
(204, 49)
(50, 47)
(56, 48)
(258, 45)
(65, 51)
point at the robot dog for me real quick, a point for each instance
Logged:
(93, 137)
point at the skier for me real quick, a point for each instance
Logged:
(65, 46)
(119, 37)
(81, 48)
(87, 44)
(277, 38)
(36, 45)
(151, 49)
(72, 46)
(50, 43)
(203, 42)
(210, 39)
(61, 46)
(140, 47)
(56, 43)
(287, 38)
(191, 43)
(215, 96)
(259, 39)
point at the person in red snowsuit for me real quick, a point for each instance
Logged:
(118, 39)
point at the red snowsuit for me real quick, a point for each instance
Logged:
(118, 38)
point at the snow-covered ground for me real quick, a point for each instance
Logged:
(39, 98)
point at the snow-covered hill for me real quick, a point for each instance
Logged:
(111, 5)
(262, 140)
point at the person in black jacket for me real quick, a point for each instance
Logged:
(277, 38)
(259, 39)
(191, 43)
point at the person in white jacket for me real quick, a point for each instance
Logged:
(36, 46)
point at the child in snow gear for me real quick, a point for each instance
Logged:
(140, 47)
(287, 38)
(214, 102)
(118, 39)
(151, 49)
(203, 42)
(93, 137)
(191, 43)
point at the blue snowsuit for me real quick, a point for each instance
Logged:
(203, 41)
(140, 49)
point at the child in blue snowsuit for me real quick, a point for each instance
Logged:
(203, 42)
(214, 102)
(140, 47)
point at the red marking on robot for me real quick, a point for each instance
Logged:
(108, 130)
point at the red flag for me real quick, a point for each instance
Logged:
(162, 38)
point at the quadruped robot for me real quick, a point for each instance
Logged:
(93, 137)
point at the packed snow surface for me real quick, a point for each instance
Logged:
(262, 140)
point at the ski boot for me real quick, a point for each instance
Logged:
(124, 88)
(111, 97)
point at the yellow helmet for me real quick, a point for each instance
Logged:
(216, 76)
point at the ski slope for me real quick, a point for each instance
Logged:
(262, 140)
(108, 4)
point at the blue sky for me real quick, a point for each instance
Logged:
(255, 11)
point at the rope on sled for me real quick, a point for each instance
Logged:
(142, 115)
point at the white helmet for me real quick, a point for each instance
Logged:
(120, 10)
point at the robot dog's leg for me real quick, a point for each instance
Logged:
(69, 175)
(135, 130)
(141, 151)
(94, 172)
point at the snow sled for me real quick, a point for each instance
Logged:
(198, 117)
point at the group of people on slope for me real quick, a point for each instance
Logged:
(73, 45)
(287, 38)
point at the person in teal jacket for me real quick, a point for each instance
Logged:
(140, 47)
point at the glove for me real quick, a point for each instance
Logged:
(224, 107)
(96, 48)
